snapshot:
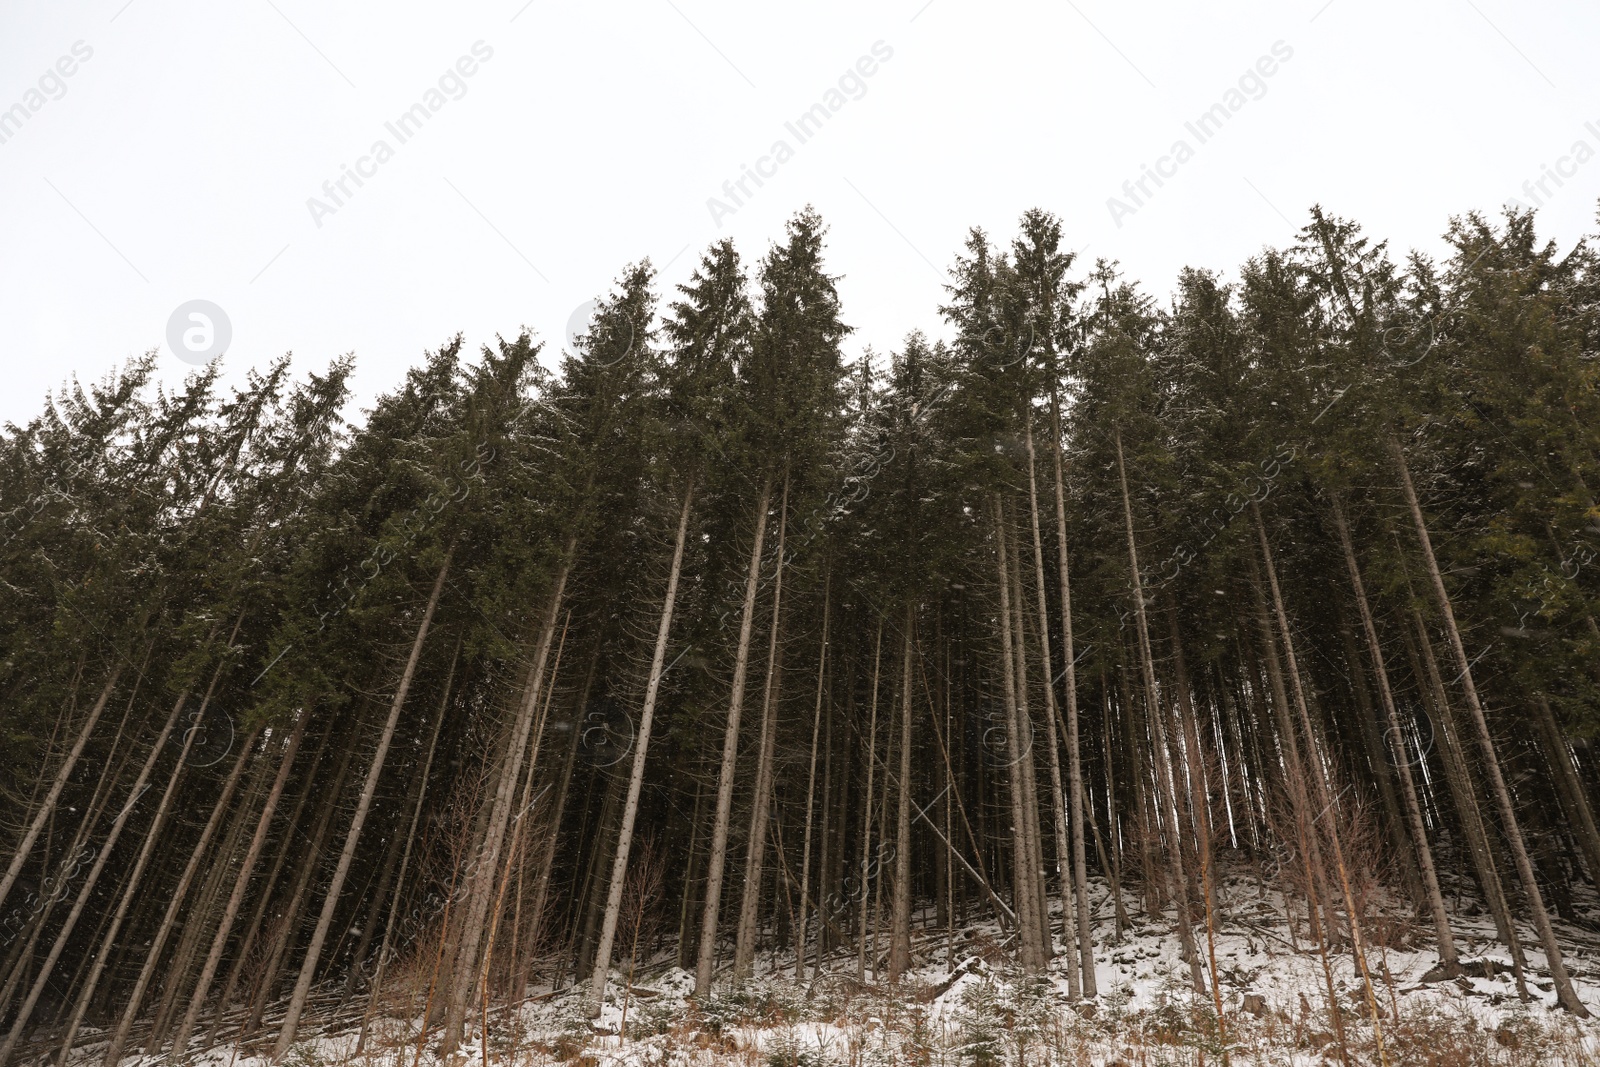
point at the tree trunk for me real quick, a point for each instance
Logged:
(1027, 733)
(47, 809)
(744, 951)
(203, 914)
(630, 810)
(521, 945)
(128, 893)
(900, 908)
(463, 974)
(871, 757)
(541, 890)
(1159, 754)
(241, 885)
(1200, 811)
(1112, 865)
(1394, 825)
(811, 782)
(405, 856)
(255, 927)
(54, 888)
(1580, 816)
(1064, 869)
(1137, 750)
(1463, 790)
(1565, 995)
(308, 966)
(1402, 761)
(1023, 881)
(1075, 789)
(1325, 799)
(144, 854)
(730, 754)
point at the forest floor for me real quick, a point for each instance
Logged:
(968, 1005)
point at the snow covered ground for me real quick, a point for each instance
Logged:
(968, 1005)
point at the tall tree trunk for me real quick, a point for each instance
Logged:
(630, 809)
(520, 946)
(590, 903)
(1394, 825)
(718, 856)
(1294, 772)
(900, 922)
(330, 902)
(687, 899)
(744, 950)
(1064, 870)
(376, 906)
(290, 919)
(830, 847)
(54, 889)
(241, 884)
(871, 757)
(129, 890)
(1137, 747)
(1160, 754)
(1200, 811)
(1113, 865)
(47, 808)
(1574, 803)
(1565, 995)
(204, 913)
(1463, 791)
(1075, 788)
(1027, 732)
(811, 783)
(145, 852)
(541, 892)
(1402, 761)
(1324, 795)
(405, 856)
(460, 978)
(256, 925)
(1023, 881)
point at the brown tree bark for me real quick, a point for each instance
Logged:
(199, 915)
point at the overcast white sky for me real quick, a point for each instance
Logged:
(176, 161)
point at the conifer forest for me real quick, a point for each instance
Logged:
(692, 691)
